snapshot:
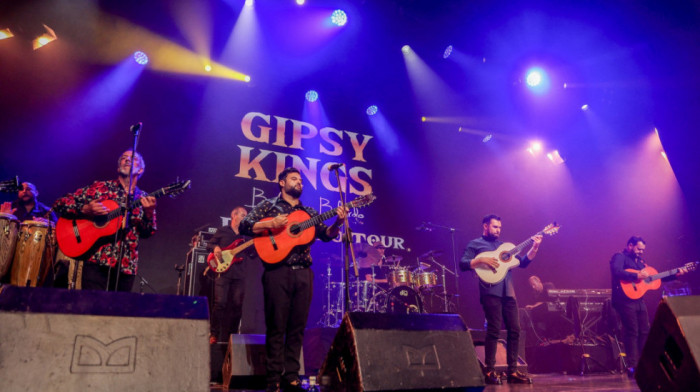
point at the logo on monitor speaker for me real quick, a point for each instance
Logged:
(92, 356)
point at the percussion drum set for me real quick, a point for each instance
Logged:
(387, 286)
(26, 250)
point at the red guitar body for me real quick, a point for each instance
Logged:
(275, 246)
(213, 263)
(76, 236)
(636, 289)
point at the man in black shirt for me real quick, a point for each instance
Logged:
(27, 207)
(498, 300)
(229, 286)
(287, 285)
(633, 312)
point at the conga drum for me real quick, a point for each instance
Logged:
(9, 226)
(33, 254)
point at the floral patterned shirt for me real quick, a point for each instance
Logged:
(105, 252)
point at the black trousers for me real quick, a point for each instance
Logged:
(287, 293)
(498, 310)
(95, 278)
(635, 325)
(229, 292)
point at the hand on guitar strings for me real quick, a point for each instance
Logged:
(94, 208)
(488, 262)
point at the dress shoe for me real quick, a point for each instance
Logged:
(292, 386)
(518, 377)
(492, 378)
(273, 387)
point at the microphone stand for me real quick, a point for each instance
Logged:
(347, 240)
(452, 231)
(136, 130)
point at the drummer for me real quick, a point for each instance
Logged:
(27, 206)
(378, 260)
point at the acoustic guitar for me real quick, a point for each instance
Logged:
(505, 255)
(274, 246)
(77, 236)
(636, 289)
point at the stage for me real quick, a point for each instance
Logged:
(552, 382)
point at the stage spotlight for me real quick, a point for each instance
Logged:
(584, 107)
(555, 158)
(339, 18)
(372, 110)
(423, 119)
(534, 78)
(406, 49)
(48, 37)
(487, 138)
(300, 2)
(448, 52)
(535, 148)
(565, 85)
(663, 154)
(207, 67)
(247, 78)
(249, 3)
(311, 96)
(537, 80)
(6, 33)
(140, 57)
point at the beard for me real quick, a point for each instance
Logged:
(294, 192)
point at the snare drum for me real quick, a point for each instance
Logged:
(33, 254)
(399, 276)
(424, 280)
(403, 300)
(9, 226)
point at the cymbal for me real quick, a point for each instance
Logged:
(423, 265)
(366, 255)
(431, 254)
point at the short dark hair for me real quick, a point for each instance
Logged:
(283, 175)
(634, 240)
(487, 218)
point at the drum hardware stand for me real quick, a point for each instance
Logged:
(179, 269)
(452, 231)
(347, 237)
(444, 286)
(136, 130)
(330, 311)
(142, 282)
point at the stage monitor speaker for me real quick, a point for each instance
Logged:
(244, 365)
(396, 352)
(73, 340)
(669, 360)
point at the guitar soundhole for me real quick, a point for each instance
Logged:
(505, 257)
(294, 229)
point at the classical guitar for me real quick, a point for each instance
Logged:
(228, 255)
(505, 255)
(636, 289)
(76, 236)
(276, 244)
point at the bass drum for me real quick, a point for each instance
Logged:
(403, 300)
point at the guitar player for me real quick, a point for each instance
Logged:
(633, 312)
(229, 286)
(88, 201)
(498, 300)
(287, 285)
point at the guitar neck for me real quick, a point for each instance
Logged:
(662, 275)
(135, 203)
(318, 219)
(521, 246)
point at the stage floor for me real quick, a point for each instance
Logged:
(551, 382)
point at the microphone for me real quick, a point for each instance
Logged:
(424, 227)
(136, 128)
(335, 166)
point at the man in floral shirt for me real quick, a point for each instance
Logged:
(101, 260)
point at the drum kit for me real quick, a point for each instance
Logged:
(26, 250)
(388, 286)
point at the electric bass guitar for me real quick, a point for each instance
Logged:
(636, 289)
(505, 255)
(76, 236)
(274, 246)
(228, 256)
